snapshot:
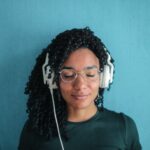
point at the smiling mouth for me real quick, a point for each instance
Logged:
(79, 97)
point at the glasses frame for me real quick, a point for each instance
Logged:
(77, 73)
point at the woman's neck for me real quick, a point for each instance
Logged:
(78, 115)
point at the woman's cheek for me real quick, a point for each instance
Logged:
(65, 90)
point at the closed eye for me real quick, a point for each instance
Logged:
(90, 75)
(68, 76)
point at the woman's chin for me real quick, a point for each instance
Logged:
(81, 103)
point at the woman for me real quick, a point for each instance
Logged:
(65, 104)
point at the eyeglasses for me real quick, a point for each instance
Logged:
(69, 75)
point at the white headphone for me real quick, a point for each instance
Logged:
(46, 69)
(106, 76)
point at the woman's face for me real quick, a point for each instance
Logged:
(81, 93)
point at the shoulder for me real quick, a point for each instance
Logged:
(118, 116)
(28, 138)
(25, 141)
(124, 121)
(126, 125)
(115, 116)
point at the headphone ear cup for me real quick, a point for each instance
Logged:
(48, 74)
(50, 77)
(51, 83)
(105, 77)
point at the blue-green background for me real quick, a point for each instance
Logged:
(27, 26)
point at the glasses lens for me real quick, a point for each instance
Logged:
(68, 75)
(91, 73)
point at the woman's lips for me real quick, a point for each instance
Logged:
(79, 97)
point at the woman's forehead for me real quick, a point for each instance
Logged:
(82, 57)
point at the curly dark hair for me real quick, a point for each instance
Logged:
(39, 105)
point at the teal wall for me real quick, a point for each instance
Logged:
(27, 26)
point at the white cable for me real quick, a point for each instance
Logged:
(54, 109)
(51, 86)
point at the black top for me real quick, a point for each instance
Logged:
(106, 130)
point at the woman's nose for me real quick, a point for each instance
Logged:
(80, 82)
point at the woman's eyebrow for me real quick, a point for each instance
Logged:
(88, 67)
(91, 67)
(67, 67)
